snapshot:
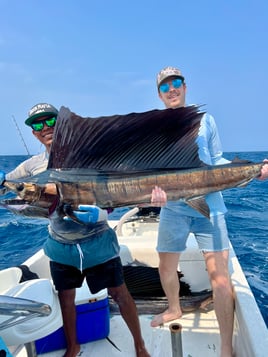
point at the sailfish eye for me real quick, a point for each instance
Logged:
(20, 187)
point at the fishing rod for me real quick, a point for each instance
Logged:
(20, 134)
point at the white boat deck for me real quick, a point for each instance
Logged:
(198, 327)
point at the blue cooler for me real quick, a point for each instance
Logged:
(93, 321)
(4, 351)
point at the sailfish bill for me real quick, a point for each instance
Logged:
(116, 161)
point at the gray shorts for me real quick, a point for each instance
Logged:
(211, 234)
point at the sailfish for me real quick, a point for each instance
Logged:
(116, 161)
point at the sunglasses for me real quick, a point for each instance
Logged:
(39, 125)
(176, 83)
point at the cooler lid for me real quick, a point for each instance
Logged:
(84, 295)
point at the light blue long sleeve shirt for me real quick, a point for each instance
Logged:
(210, 152)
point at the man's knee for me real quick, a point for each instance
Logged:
(120, 294)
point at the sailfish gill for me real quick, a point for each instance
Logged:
(116, 161)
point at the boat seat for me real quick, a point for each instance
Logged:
(141, 250)
(34, 327)
(8, 278)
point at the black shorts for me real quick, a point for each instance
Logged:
(106, 275)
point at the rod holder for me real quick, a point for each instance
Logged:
(176, 339)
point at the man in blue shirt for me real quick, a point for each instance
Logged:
(177, 220)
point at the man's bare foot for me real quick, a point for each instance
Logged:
(166, 316)
(72, 352)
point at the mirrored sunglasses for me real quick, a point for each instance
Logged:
(176, 83)
(39, 125)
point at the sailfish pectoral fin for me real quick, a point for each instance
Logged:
(200, 205)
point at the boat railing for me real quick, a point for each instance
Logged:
(20, 310)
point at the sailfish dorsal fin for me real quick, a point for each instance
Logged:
(157, 139)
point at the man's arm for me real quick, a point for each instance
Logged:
(214, 142)
(19, 172)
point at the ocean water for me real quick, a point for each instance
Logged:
(247, 221)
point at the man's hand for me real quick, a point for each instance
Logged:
(2, 178)
(264, 171)
(159, 197)
(89, 214)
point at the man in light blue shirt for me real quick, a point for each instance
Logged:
(178, 219)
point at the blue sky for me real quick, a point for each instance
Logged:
(102, 57)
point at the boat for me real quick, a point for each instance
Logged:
(30, 314)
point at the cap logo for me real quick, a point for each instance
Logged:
(39, 108)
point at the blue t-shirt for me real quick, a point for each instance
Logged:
(80, 245)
